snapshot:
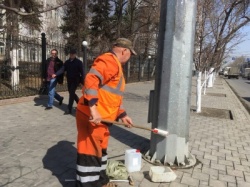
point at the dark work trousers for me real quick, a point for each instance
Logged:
(72, 86)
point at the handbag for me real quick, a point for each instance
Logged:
(43, 88)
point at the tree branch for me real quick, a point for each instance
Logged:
(17, 11)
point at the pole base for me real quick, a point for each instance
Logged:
(191, 161)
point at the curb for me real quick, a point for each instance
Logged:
(239, 98)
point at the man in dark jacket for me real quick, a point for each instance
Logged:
(51, 66)
(74, 68)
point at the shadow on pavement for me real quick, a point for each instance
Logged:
(60, 159)
(42, 100)
(129, 138)
(246, 98)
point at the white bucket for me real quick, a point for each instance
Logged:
(133, 160)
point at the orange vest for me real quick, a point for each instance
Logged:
(109, 93)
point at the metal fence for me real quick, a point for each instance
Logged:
(137, 69)
(21, 64)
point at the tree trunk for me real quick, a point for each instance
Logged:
(205, 83)
(153, 71)
(15, 71)
(214, 77)
(210, 78)
(12, 32)
(129, 65)
(198, 92)
(142, 70)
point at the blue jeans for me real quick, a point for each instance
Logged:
(52, 92)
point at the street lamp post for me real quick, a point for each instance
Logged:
(85, 44)
(149, 57)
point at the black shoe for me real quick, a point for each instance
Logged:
(60, 102)
(48, 108)
(67, 112)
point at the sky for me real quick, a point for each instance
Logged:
(243, 49)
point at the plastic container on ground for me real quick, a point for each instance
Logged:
(133, 160)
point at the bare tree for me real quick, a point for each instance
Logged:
(23, 7)
(141, 26)
(238, 61)
(218, 24)
(134, 19)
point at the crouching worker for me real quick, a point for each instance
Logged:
(102, 99)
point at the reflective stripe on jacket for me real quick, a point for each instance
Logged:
(105, 83)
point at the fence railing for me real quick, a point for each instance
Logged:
(21, 66)
(139, 69)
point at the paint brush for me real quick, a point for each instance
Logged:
(155, 130)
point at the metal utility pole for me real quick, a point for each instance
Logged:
(171, 98)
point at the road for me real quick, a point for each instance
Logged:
(241, 87)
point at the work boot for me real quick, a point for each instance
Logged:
(48, 108)
(68, 112)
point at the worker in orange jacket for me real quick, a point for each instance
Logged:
(102, 99)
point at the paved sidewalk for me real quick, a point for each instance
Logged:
(37, 147)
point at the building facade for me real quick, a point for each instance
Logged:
(28, 41)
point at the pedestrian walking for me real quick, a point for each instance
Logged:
(74, 68)
(102, 99)
(51, 66)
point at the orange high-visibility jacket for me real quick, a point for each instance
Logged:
(104, 86)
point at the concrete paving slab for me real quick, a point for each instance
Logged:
(37, 147)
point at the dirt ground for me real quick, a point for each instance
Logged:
(213, 112)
